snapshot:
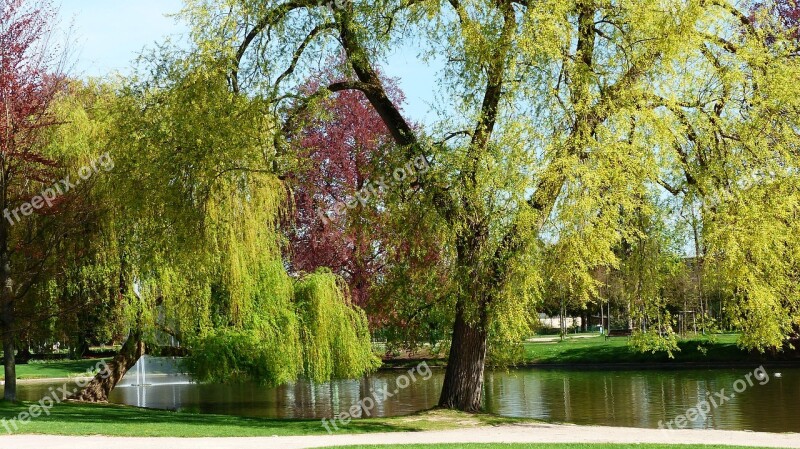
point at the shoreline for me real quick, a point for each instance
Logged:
(610, 366)
(404, 364)
(46, 380)
(666, 366)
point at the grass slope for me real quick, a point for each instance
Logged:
(113, 420)
(597, 350)
(583, 349)
(53, 369)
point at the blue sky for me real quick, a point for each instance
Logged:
(108, 35)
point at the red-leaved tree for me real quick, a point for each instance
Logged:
(30, 79)
(785, 12)
(344, 146)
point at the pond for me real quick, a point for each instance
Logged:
(768, 401)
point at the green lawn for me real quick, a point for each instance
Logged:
(56, 368)
(597, 350)
(113, 420)
(544, 446)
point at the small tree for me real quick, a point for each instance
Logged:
(30, 78)
(196, 220)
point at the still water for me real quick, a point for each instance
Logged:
(614, 398)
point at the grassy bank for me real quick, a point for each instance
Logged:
(598, 350)
(594, 350)
(53, 369)
(113, 420)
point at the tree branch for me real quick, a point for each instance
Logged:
(299, 53)
(271, 17)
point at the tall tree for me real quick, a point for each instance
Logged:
(68, 304)
(30, 79)
(196, 219)
(563, 118)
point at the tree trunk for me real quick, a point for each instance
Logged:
(104, 382)
(9, 364)
(7, 328)
(603, 328)
(463, 380)
(79, 349)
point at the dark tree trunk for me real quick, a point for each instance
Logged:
(9, 364)
(79, 349)
(104, 382)
(463, 380)
(24, 355)
(7, 328)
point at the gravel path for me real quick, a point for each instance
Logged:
(526, 433)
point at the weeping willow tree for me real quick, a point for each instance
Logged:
(65, 268)
(197, 197)
(561, 118)
(649, 260)
(738, 152)
(82, 287)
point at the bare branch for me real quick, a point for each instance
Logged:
(299, 52)
(271, 17)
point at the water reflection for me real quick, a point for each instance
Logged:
(618, 398)
(643, 399)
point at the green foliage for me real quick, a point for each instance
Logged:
(654, 341)
(563, 135)
(185, 239)
(229, 355)
(567, 124)
(754, 238)
(313, 331)
(334, 334)
(207, 243)
(77, 295)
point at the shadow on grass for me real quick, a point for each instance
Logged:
(83, 419)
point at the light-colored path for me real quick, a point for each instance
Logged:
(527, 433)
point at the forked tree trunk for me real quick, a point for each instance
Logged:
(463, 380)
(104, 382)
